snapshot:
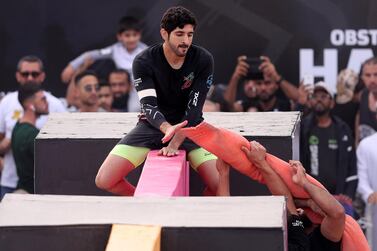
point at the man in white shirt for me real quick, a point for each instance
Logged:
(29, 68)
(367, 172)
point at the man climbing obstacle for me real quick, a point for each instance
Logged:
(172, 80)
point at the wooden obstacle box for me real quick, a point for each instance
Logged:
(83, 223)
(71, 147)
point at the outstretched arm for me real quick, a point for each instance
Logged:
(332, 226)
(84, 61)
(257, 156)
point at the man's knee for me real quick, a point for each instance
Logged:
(101, 182)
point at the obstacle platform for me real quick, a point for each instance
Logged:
(56, 222)
(71, 147)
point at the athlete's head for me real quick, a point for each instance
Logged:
(129, 32)
(177, 29)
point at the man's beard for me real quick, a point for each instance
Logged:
(266, 99)
(120, 103)
(321, 112)
(176, 49)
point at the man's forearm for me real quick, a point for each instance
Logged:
(322, 198)
(177, 140)
(276, 185)
(230, 92)
(164, 126)
(289, 90)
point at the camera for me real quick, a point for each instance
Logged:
(254, 73)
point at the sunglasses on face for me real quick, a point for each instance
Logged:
(34, 74)
(90, 88)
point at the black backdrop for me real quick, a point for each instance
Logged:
(58, 31)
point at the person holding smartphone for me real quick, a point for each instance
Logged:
(261, 84)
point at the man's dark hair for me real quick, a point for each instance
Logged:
(27, 91)
(177, 16)
(372, 60)
(30, 59)
(84, 74)
(127, 23)
(121, 71)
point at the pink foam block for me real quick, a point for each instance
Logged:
(164, 176)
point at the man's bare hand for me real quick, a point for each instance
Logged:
(268, 69)
(372, 199)
(256, 154)
(170, 131)
(242, 68)
(299, 173)
(303, 92)
(168, 151)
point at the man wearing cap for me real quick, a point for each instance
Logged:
(326, 149)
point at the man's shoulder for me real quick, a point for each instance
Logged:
(23, 133)
(54, 103)
(24, 127)
(150, 58)
(10, 102)
(201, 52)
(9, 98)
(307, 120)
(150, 51)
(368, 142)
(283, 104)
(341, 125)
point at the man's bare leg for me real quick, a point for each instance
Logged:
(110, 176)
(210, 176)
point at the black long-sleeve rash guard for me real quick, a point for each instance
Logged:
(171, 95)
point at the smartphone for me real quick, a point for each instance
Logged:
(254, 73)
